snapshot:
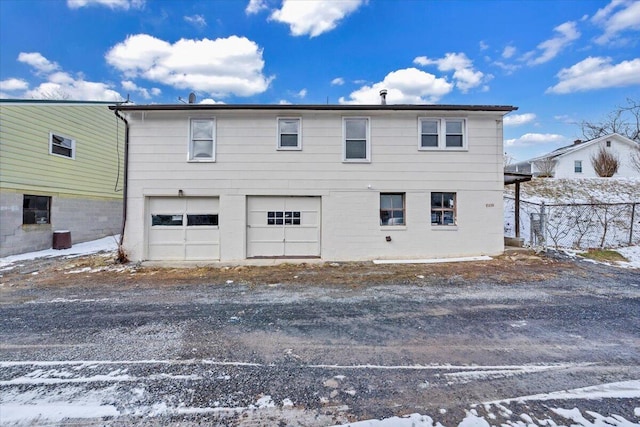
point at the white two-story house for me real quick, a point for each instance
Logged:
(336, 182)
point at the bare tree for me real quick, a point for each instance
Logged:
(605, 162)
(546, 167)
(634, 159)
(624, 120)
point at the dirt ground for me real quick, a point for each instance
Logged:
(517, 266)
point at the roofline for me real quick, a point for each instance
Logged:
(577, 147)
(314, 107)
(55, 101)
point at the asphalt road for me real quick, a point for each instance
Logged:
(162, 353)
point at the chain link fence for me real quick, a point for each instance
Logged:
(576, 225)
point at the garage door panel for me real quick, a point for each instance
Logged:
(188, 237)
(168, 235)
(283, 226)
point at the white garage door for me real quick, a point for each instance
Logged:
(283, 226)
(183, 229)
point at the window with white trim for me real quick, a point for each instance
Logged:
(577, 166)
(392, 209)
(442, 134)
(443, 208)
(289, 134)
(202, 145)
(63, 146)
(356, 139)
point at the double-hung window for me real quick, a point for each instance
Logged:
(63, 146)
(289, 133)
(443, 208)
(357, 141)
(202, 146)
(392, 209)
(442, 134)
(577, 166)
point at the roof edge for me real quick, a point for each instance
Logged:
(55, 101)
(316, 107)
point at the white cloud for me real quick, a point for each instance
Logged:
(255, 6)
(616, 17)
(508, 68)
(145, 93)
(549, 49)
(529, 139)
(338, 81)
(37, 61)
(597, 73)
(519, 119)
(407, 86)
(313, 17)
(112, 4)
(302, 93)
(284, 102)
(62, 85)
(196, 20)
(74, 89)
(508, 52)
(483, 45)
(219, 67)
(11, 85)
(156, 91)
(464, 74)
(210, 101)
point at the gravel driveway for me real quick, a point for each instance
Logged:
(89, 342)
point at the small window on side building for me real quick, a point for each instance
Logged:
(202, 140)
(577, 166)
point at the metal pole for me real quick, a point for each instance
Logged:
(633, 215)
(543, 225)
(517, 208)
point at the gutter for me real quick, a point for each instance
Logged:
(125, 174)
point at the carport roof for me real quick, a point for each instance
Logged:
(514, 177)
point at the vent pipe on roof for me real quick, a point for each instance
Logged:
(577, 141)
(383, 97)
(192, 98)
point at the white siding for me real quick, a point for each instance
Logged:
(249, 164)
(565, 165)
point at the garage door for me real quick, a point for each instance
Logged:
(283, 226)
(183, 229)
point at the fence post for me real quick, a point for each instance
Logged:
(543, 225)
(633, 214)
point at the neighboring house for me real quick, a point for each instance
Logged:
(335, 182)
(61, 168)
(574, 161)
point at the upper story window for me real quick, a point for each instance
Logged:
(202, 145)
(357, 141)
(289, 135)
(62, 145)
(442, 134)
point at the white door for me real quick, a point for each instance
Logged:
(183, 229)
(283, 226)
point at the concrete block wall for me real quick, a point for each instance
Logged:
(85, 218)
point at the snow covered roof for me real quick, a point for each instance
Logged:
(579, 145)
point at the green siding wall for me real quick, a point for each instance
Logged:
(27, 166)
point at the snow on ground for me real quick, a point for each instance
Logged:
(109, 243)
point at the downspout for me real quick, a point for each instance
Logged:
(125, 173)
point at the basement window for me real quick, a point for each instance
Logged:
(36, 209)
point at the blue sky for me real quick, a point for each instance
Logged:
(559, 61)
